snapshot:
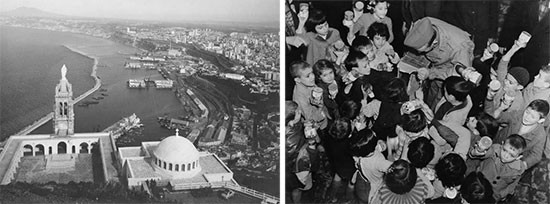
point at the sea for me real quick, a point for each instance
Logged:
(30, 64)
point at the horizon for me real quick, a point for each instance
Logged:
(169, 11)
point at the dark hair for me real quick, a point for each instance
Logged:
(297, 66)
(363, 142)
(516, 141)
(380, 29)
(372, 3)
(352, 59)
(540, 106)
(486, 125)
(421, 152)
(350, 109)
(545, 68)
(396, 91)
(477, 189)
(320, 66)
(360, 41)
(316, 17)
(401, 177)
(458, 87)
(414, 122)
(340, 128)
(290, 109)
(450, 170)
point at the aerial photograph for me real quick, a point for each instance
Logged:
(139, 101)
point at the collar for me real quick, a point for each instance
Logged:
(318, 37)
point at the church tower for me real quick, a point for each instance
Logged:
(63, 119)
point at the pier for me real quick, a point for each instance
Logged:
(49, 116)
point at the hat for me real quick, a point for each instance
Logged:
(520, 74)
(420, 34)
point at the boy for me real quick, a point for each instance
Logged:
(528, 124)
(307, 164)
(502, 165)
(302, 95)
(514, 80)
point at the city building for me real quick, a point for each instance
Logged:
(174, 161)
(60, 157)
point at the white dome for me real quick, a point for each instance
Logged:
(176, 149)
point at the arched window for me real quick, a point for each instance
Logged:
(177, 167)
(189, 167)
(50, 150)
(182, 167)
(170, 166)
(193, 165)
(74, 149)
(164, 163)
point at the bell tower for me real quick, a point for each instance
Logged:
(63, 119)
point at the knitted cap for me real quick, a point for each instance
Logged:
(420, 34)
(520, 74)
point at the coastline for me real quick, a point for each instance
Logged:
(49, 116)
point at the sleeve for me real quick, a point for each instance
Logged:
(429, 185)
(304, 105)
(383, 165)
(390, 27)
(502, 70)
(438, 189)
(463, 144)
(444, 132)
(535, 154)
(372, 109)
(465, 54)
(357, 26)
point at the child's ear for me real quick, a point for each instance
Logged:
(542, 120)
(297, 79)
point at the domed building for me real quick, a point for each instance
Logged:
(174, 161)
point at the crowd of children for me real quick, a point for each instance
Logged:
(435, 124)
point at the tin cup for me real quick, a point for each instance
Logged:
(332, 90)
(483, 144)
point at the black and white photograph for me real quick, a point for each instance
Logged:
(417, 101)
(139, 101)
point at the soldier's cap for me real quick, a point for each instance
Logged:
(420, 34)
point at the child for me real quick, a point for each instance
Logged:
(358, 70)
(528, 124)
(390, 103)
(412, 125)
(421, 152)
(294, 129)
(503, 167)
(476, 189)
(450, 172)
(385, 56)
(479, 125)
(401, 185)
(514, 80)
(378, 10)
(302, 94)
(325, 77)
(318, 38)
(371, 164)
(340, 158)
(307, 163)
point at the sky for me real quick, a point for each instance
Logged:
(163, 10)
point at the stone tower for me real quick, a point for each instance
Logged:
(63, 119)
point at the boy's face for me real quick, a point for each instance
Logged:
(363, 66)
(542, 80)
(531, 117)
(381, 9)
(322, 29)
(379, 41)
(509, 153)
(369, 51)
(327, 76)
(306, 77)
(510, 83)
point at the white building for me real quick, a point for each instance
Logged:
(174, 161)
